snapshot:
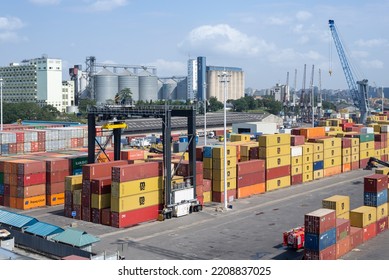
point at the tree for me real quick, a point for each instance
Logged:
(214, 104)
(28, 111)
(240, 105)
(49, 113)
(84, 103)
(124, 96)
(328, 105)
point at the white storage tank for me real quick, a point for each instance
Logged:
(148, 86)
(106, 86)
(127, 79)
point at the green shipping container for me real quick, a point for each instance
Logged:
(1, 178)
(365, 137)
(79, 162)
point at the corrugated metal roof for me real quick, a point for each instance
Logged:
(43, 229)
(75, 237)
(16, 220)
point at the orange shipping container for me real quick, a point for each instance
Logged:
(55, 199)
(250, 190)
(342, 247)
(330, 171)
(31, 202)
(346, 167)
(313, 132)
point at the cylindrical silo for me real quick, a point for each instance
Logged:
(106, 86)
(148, 86)
(160, 89)
(129, 80)
(182, 89)
(169, 89)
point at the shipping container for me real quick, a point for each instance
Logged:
(273, 162)
(30, 202)
(218, 185)
(356, 237)
(369, 231)
(250, 179)
(375, 182)
(279, 150)
(342, 228)
(277, 172)
(250, 167)
(55, 199)
(134, 217)
(297, 140)
(319, 221)
(100, 201)
(97, 170)
(247, 191)
(342, 247)
(381, 225)
(308, 148)
(318, 174)
(136, 187)
(218, 163)
(138, 201)
(295, 170)
(219, 196)
(375, 199)
(363, 216)
(218, 174)
(307, 176)
(319, 242)
(327, 254)
(296, 179)
(277, 183)
(269, 140)
(218, 151)
(129, 172)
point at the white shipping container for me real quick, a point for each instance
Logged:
(286, 131)
(254, 127)
(183, 195)
(296, 151)
(384, 128)
(366, 130)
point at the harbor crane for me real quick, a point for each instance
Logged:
(357, 89)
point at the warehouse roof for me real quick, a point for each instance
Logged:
(43, 229)
(16, 220)
(75, 237)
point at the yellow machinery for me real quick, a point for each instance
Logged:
(116, 128)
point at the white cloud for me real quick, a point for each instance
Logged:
(169, 68)
(106, 5)
(223, 39)
(371, 43)
(10, 23)
(278, 21)
(375, 64)
(10, 37)
(303, 15)
(290, 55)
(45, 2)
(359, 54)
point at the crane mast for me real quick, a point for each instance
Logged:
(357, 89)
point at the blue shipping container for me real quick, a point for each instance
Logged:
(207, 151)
(4, 149)
(1, 189)
(318, 165)
(318, 242)
(375, 199)
(77, 171)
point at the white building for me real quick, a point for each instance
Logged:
(235, 83)
(192, 79)
(67, 94)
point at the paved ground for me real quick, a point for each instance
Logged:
(252, 229)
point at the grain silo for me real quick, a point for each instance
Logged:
(160, 89)
(170, 89)
(106, 86)
(129, 80)
(182, 89)
(148, 86)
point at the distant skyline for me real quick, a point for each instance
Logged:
(266, 39)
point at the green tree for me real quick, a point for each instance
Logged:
(214, 104)
(49, 113)
(328, 105)
(240, 105)
(84, 103)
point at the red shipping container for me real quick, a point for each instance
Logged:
(363, 162)
(320, 221)
(207, 185)
(68, 198)
(199, 179)
(2, 200)
(12, 148)
(96, 216)
(377, 145)
(295, 131)
(7, 190)
(106, 216)
(31, 191)
(384, 157)
(57, 176)
(375, 183)
(134, 217)
(369, 232)
(130, 172)
(355, 165)
(342, 228)
(54, 188)
(56, 164)
(19, 136)
(219, 196)
(342, 247)
(78, 211)
(199, 190)
(98, 170)
(382, 225)
(296, 179)
(200, 198)
(86, 213)
(24, 166)
(297, 140)
(28, 179)
(85, 200)
(356, 237)
(382, 137)
(328, 253)
(277, 172)
(253, 153)
(101, 185)
(250, 179)
(182, 168)
(199, 153)
(346, 142)
(251, 166)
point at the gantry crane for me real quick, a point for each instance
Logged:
(357, 89)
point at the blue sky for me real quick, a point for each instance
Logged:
(266, 39)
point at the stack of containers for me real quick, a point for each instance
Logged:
(332, 155)
(136, 193)
(250, 178)
(56, 171)
(318, 161)
(89, 172)
(73, 188)
(296, 166)
(384, 129)
(248, 151)
(8, 143)
(275, 150)
(218, 192)
(320, 235)
(240, 138)
(346, 154)
(207, 162)
(366, 146)
(100, 200)
(341, 205)
(380, 144)
(365, 217)
(354, 153)
(376, 195)
(24, 183)
(307, 162)
(182, 168)
(207, 190)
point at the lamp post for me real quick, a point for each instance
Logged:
(224, 80)
(205, 113)
(1, 103)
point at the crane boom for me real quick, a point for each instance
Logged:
(357, 89)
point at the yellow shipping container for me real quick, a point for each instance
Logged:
(331, 162)
(277, 183)
(346, 151)
(243, 158)
(308, 167)
(339, 203)
(382, 211)
(308, 148)
(366, 146)
(382, 170)
(308, 158)
(329, 143)
(177, 179)
(307, 177)
(207, 173)
(337, 129)
(354, 142)
(134, 202)
(269, 140)
(207, 163)
(296, 161)
(73, 182)
(136, 187)
(77, 197)
(207, 197)
(218, 174)
(218, 163)
(240, 137)
(296, 169)
(218, 185)
(273, 162)
(245, 149)
(318, 148)
(355, 150)
(101, 201)
(218, 151)
(332, 152)
(318, 174)
(281, 150)
(377, 153)
(344, 216)
(318, 156)
(363, 216)
(354, 158)
(346, 159)
(366, 154)
(331, 133)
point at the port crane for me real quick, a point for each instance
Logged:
(357, 89)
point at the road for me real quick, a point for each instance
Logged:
(251, 230)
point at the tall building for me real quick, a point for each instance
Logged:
(235, 82)
(192, 79)
(68, 88)
(33, 80)
(201, 78)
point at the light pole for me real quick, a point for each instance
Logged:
(224, 80)
(1, 103)
(205, 113)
